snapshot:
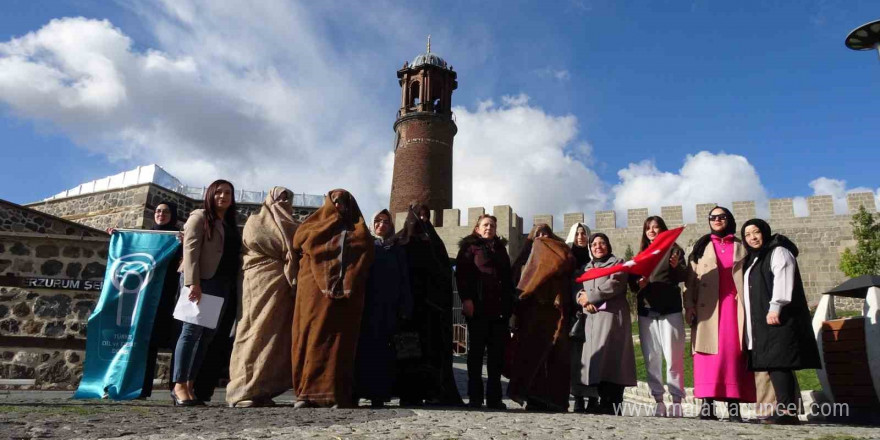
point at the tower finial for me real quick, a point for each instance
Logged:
(429, 43)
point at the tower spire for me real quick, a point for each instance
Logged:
(429, 43)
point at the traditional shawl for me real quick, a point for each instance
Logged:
(373, 229)
(337, 250)
(540, 362)
(581, 254)
(260, 364)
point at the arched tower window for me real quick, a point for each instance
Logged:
(414, 93)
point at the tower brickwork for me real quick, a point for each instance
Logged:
(424, 132)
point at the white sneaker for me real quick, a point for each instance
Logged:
(676, 410)
(660, 410)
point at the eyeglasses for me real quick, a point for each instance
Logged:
(381, 222)
(163, 211)
(721, 217)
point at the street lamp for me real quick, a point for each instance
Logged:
(865, 37)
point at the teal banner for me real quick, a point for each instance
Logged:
(119, 328)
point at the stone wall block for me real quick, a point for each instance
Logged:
(570, 219)
(56, 306)
(543, 218)
(48, 251)
(744, 211)
(820, 206)
(451, 217)
(703, 210)
(855, 200)
(606, 220)
(781, 209)
(672, 215)
(51, 267)
(504, 214)
(474, 214)
(94, 270)
(635, 218)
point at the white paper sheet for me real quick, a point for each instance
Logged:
(206, 313)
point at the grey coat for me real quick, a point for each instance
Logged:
(607, 354)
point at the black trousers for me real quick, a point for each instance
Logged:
(486, 335)
(150, 371)
(785, 385)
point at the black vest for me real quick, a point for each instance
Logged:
(790, 345)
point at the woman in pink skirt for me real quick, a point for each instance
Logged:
(714, 307)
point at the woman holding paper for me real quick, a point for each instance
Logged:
(260, 366)
(211, 261)
(661, 325)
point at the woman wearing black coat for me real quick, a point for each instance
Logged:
(778, 330)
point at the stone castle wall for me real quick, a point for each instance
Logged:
(821, 236)
(43, 330)
(132, 207)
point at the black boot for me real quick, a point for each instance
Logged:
(592, 406)
(733, 412)
(579, 405)
(707, 410)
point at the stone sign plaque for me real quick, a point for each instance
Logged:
(52, 283)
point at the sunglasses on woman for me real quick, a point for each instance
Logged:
(712, 218)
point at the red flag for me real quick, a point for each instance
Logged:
(642, 264)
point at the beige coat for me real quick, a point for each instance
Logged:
(701, 294)
(200, 255)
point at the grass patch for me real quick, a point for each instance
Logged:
(807, 379)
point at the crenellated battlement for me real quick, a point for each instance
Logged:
(821, 236)
(819, 207)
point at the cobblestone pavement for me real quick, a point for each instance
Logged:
(54, 415)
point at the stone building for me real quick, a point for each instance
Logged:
(53, 256)
(424, 131)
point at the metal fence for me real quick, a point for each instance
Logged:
(243, 196)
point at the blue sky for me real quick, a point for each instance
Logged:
(597, 100)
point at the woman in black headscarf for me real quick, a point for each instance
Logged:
(426, 376)
(165, 329)
(713, 301)
(778, 330)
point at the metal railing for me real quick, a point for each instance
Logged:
(243, 196)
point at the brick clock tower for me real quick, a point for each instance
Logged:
(423, 134)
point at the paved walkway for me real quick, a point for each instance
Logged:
(52, 414)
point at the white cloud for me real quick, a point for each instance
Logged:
(256, 93)
(836, 188)
(517, 154)
(703, 178)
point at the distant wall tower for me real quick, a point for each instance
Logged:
(423, 134)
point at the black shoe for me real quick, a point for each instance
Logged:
(411, 402)
(707, 411)
(733, 413)
(781, 419)
(377, 403)
(475, 404)
(579, 405)
(499, 405)
(178, 402)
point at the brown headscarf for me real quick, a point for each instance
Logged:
(526, 251)
(338, 242)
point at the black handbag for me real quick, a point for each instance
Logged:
(578, 328)
(407, 345)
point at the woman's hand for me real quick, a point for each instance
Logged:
(195, 293)
(690, 316)
(673, 259)
(643, 282)
(110, 231)
(582, 298)
(773, 318)
(180, 236)
(467, 308)
(589, 308)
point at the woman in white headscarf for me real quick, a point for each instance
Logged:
(260, 367)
